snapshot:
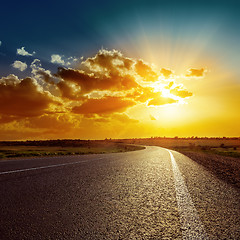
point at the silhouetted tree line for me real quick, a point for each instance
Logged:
(48, 143)
(79, 142)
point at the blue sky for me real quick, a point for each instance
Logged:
(81, 28)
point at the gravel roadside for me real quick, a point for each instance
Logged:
(225, 168)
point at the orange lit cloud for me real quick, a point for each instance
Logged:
(152, 117)
(69, 91)
(123, 118)
(107, 70)
(101, 78)
(111, 62)
(102, 89)
(143, 94)
(177, 91)
(161, 101)
(23, 97)
(89, 82)
(145, 71)
(194, 72)
(104, 105)
(166, 72)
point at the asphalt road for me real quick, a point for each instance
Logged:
(146, 194)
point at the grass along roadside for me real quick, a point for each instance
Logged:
(7, 152)
(228, 151)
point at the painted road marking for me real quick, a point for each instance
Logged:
(192, 227)
(44, 167)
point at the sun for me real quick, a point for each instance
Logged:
(164, 90)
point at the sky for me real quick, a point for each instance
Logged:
(119, 69)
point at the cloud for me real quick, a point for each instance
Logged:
(59, 122)
(55, 58)
(23, 52)
(170, 84)
(20, 65)
(97, 91)
(7, 119)
(70, 91)
(114, 118)
(39, 73)
(152, 117)
(143, 94)
(69, 61)
(166, 72)
(194, 72)
(161, 101)
(111, 62)
(23, 97)
(123, 118)
(110, 72)
(177, 91)
(90, 81)
(104, 105)
(65, 61)
(145, 71)
(0, 43)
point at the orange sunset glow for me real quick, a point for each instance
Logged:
(113, 95)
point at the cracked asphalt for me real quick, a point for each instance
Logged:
(128, 195)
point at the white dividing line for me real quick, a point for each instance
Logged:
(50, 166)
(192, 227)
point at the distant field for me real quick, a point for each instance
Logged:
(224, 151)
(221, 146)
(11, 150)
(175, 142)
(225, 147)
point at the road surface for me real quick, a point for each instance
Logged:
(148, 194)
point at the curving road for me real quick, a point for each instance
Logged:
(148, 194)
